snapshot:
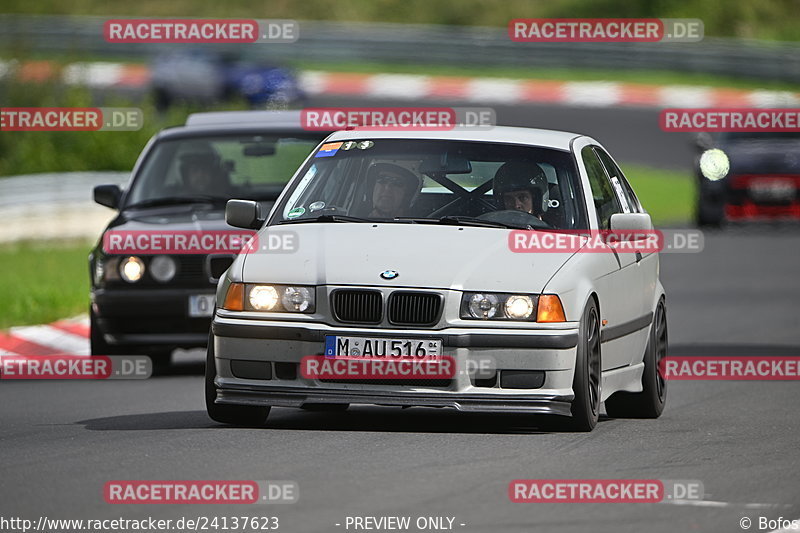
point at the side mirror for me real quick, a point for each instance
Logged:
(633, 225)
(107, 195)
(243, 214)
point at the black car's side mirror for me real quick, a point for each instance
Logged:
(243, 214)
(107, 195)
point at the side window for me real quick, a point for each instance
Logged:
(618, 181)
(605, 201)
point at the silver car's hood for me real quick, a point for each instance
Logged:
(425, 256)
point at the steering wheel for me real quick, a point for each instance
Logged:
(516, 218)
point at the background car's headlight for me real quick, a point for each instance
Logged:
(297, 298)
(280, 298)
(498, 306)
(131, 269)
(263, 297)
(163, 268)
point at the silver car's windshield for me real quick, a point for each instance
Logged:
(436, 181)
(254, 167)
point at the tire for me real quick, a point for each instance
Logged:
(326, 407)
(586, 382)
(237, 415)
(708, 215)
(650, 402)
(97, 343)
(160, 357)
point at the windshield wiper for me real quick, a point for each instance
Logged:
(326, 218)
(175, 200)
(471, 221)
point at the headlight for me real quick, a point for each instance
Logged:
(498, 306)
(297, 299)
(263, 297)
(714, 164)
(131, 269)
(519, 307)
(163, 268)
(280, 298)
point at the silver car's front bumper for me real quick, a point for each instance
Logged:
(549, 350)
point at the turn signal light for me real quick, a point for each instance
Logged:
(234, 299)
(550, 309)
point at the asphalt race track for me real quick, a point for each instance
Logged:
(61, 441)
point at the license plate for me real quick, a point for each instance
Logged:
(201, 305)
(336, 346)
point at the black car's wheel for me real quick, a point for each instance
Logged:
(239, 415)
(160, 357)
(650, 402)
(97, 343)
(586, 381)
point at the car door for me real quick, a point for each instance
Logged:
(620, 289)
(647, 260)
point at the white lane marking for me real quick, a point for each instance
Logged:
(685, 96)
(98, 74)
(773, 98)
(61, 341)
(403, 86)
(592, 93)
(494, 90)
(313, 81)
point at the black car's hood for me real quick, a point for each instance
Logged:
(188, 217)
(764, 157)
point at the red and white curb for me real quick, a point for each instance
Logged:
(453, 88)
(64, 337)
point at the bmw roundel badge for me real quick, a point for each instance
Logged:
(389, 274)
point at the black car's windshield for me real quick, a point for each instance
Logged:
(215, 169)
(436, 182)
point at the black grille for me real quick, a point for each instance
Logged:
(357, 306)
(191, 268)
(414, 308)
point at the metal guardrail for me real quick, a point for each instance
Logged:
(429, 44)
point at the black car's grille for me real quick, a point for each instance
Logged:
(414, 308)
(190, 268)
(357, 306)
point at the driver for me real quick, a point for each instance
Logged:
(522, 186)
(201, 173)
(394, 188)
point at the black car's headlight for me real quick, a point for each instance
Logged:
(498, 306)
(131, 269)
(270, 298)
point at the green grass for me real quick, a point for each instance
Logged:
(668, 196)
(43, 281)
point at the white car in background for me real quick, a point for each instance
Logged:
(433, 274)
